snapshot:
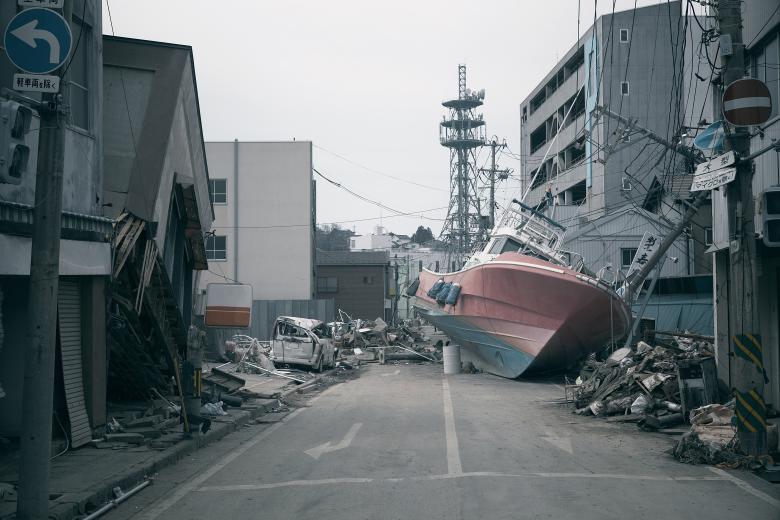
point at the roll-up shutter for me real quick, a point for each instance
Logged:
(69, 312)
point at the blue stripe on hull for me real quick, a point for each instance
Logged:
(485, 350)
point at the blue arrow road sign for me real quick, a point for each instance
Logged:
(711, 137)
(38, 41)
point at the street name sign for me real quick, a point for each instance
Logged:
(49, 4)
(716, 163)
(714, 179)
(38, 41)
(747, 102)
(37, 83)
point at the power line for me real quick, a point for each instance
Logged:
(377, 172)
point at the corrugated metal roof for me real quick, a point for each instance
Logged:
(352, 257)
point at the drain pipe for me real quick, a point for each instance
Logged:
(120, 497)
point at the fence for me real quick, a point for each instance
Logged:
(264, 314)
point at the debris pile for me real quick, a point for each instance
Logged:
(648, 385)
(365, 340)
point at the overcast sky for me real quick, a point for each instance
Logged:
(365, 80)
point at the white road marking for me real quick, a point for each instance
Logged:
(746, 487)
(449, 476)
(185, 489)
(319, 451)
(453, 454)
(386, 374)
(562, 443)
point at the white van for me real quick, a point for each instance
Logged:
(302, 341)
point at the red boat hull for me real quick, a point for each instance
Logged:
(518, 313)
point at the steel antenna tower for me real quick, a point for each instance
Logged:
(462, 130)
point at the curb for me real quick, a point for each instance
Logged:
(78, 503)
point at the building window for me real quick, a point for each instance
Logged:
(624, 88)
(420, 266)
(625, 184)
(218, 191)
(78, 76)
(216, 247)
(623, 35)
(327, 284)
(627, 256)
(352, 243)
(368, 280)
(708, 236)
(591, 73)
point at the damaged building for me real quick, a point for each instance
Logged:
(156, 189)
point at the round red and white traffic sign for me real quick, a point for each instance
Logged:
(747, 102)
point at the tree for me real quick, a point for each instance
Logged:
(422, 235)
(330, 237)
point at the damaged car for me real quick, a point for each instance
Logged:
(303, 341)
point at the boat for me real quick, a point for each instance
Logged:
(522, 304)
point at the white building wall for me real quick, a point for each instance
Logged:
(268, 219)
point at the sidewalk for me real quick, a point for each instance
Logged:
(83, 479)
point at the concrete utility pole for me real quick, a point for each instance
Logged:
(503, 174)
(38, 397)
(33, 501)
(743, 298)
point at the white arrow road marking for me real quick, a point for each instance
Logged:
(392, 374)
(320, 450)
(563, 443)
(29, 33)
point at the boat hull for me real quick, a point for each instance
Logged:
(518, 314)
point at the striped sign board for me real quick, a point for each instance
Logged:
(228, 305)
(747, 102)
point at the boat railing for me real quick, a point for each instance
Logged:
(535, 228)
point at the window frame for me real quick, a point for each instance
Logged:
(212, 192)
(324, 285)
(623, 251)
(84, 48)
(621, 33)
(708, 234)
(627, 90)
(211, 251)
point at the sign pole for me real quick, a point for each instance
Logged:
(39, 358)
(744, 327)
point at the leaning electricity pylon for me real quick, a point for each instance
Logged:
(462, 130)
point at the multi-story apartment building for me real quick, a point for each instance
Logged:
(635, 64)
(263, 196)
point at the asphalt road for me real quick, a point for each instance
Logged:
(405, 442)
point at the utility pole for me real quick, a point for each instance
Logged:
(38, 396)
(33, 501)
(503, 174)
(743, 282)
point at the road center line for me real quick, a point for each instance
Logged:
(157, 509)
(746, 487)
(450, 476)
(453, 453)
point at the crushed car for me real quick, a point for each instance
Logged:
(303, 341)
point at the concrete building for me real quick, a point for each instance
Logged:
(761, 35)
(265, 212)
(359, 281)
(595, 166)
(85, 255)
